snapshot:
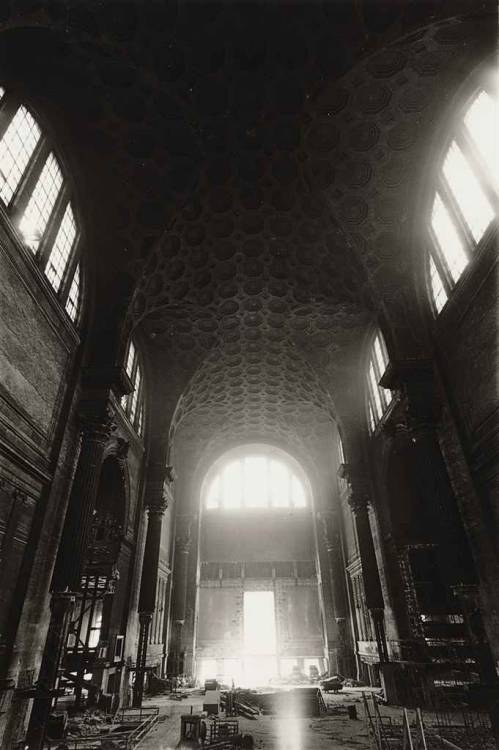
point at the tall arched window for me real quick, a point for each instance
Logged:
(466, 200)
(378, 398)
(37, 199)
(133, 403)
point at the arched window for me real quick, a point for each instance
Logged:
(378, 398)
(37, 200)
(466, 198)
(133, 403)
(255, 479)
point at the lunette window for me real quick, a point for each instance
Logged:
(37, 199)
(466, 198)
(255, 481)
(378, 398)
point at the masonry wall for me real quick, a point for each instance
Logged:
(467, 351)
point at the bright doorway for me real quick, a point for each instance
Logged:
(260, 637)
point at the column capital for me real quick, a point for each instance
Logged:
(96, 418)
(159, 495)
(360, 496)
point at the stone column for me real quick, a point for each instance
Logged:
(183, 543)
(332, 540)
(158, 495)
(359, 500)
(96, 427)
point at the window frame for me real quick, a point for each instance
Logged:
(11, 213)
(138, 420)
(472, 249)
(384, 395)
(270, 506)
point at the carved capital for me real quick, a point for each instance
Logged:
(96, 419)
(360, 496)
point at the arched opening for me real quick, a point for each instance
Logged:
(259, 614)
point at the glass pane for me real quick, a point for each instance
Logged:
(2, 92)
(341, 452)
(279, 484)
(140, 424)
(437, 288)
(375, 392)
(130, 359)
(255, 482)
(448, 239)
(135, 395)
(474, 204)
(233, 485)
(372, 423)
(61, 249)
(213, 497)
(380, 356)
(74, 296)
(482, 122)
(41, 203)
(297, 493)
(16, 147)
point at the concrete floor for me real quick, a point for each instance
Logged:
(334, 730)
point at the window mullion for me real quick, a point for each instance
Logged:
(480, 168)
(8, 109)
(377, 377)
(28, 181)
(458, 219)
(440, 263)
(67, 278)
(53, 225)
(136, 419)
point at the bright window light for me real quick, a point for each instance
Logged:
(448, 239)
(375, 392)
(2, 92)
(61, 250)
(437, 288)
(474, 204)
(41, 203)
(213, 496)
(341, 452)
(482, 122)
(233, 485)
(16, 148)
(256, 481)
(297, 493)
(135, 396)
(279, 484)
(372, 423)
(259, 623)
(74, 296)
(130, 359)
